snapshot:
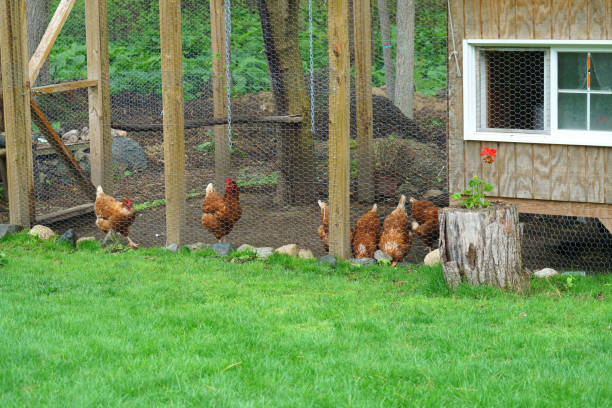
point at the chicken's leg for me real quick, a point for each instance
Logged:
(132, 243)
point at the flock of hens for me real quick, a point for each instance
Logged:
(219, 214)
(396, 236)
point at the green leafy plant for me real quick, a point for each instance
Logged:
(206, 147)
(475, 195)
(248, 178)
(569, 282)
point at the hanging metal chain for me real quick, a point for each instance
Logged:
(228, 69)
(312, 100)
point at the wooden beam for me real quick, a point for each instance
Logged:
(64, 87)
(96, 28)
(217, 36)
(46, 43)
(16, 88)
(64, 154)
(194, 124)
(362, 25)
(339, 128)
(66, 214)
(174, 132)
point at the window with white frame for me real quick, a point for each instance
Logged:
(538, 92)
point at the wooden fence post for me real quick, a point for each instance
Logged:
(339, 129)
(96, 28)
(174, 118)
(217, 37)
(362, 25)
(16, 87)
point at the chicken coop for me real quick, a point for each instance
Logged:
(353, 103)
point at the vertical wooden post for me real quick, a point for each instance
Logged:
(174, 118)
(339, 128)
(16, 87)
(96, 28)
(217, 36)
(362, 27)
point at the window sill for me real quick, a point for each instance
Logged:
(574, 138)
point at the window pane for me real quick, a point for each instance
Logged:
(572, 111)
(572, 70)
(601, 71)
(514, 82)
(601, 112)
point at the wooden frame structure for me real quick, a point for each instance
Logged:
(540, 178)
(18, 74)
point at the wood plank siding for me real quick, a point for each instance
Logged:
(579, 174)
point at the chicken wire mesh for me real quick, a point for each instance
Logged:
(279, 180)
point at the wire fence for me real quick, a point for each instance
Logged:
(279, 67)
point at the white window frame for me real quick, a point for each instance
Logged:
(552, 134)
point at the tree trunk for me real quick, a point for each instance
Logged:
(404, 90)
(385, 32)
(483, 246)
(279, 24)
(37, 14)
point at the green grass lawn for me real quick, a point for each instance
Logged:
(151, 328)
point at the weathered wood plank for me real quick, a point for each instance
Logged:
(16, 100)
(524, 19)
(577, 173)
(597, 20)
(64, 87)
(596, 174)
(473, 163)
(64, 154)
(542, 19)
(490, 172)
(506, 168)
(66, 214)
(455, 164)
(471, 19)
(608, 19)
(489, 15)
(542, 172)
(608, 158)
(507, 19)
(560, 19)
(217, 38)
(96, 31)
(339, 128)
(174, 133)
(578, 23)
(362, 25)
(46, 43)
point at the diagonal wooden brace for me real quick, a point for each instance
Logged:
(63, 152)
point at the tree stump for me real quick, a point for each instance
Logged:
(483, 246)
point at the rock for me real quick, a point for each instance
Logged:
(574, 273)
(328, 260)
(245, 248)
(68, 237)
(172, 247)
(382, 256)
(42, 232)
(290, 249)
(71, 136)
(222, 248)
(118, 133)
(264, 252)
(8, 229)
(196, 246)
(432, 258)
(362, 261)
(305, 254)
(545, 273)
(84, 239)
(128, 155)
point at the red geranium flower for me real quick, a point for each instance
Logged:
(489, 155)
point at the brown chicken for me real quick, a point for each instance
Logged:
(425, 223)
(114, 216)
(324, 227)
(367, 233)
(219, 214)
(396, 238)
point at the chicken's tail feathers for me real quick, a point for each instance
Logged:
(321, 203)
(99, 191)
(414, 225)
(209, 188)
(412, 199)
(402, 202)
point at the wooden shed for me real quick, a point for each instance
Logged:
(533, 79)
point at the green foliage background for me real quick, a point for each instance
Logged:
(135, 59)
